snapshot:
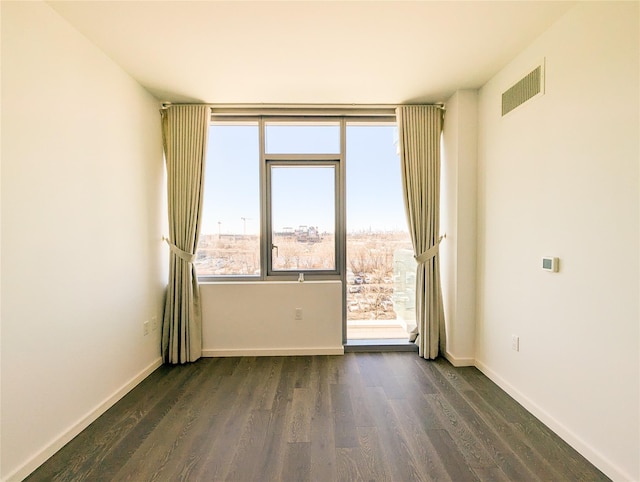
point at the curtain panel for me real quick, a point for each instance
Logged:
(420, 128)
(184, 131)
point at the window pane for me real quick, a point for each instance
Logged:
(303, 218)
(287, 138)
(230, 232)
(380, 264)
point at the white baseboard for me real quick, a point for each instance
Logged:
(65, 437)
(339, 350)
(459, 362)
(586, 450)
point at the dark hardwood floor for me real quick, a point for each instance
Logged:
(361, 416)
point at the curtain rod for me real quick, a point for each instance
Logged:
(300, 109)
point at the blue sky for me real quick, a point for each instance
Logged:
(374, 197)
(303, 196)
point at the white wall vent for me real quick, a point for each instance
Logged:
(526, 88)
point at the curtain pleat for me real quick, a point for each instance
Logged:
(419, 140)
(184, 131)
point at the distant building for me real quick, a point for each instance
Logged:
(303, 234)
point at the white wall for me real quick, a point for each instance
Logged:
(81, 226)
(259, 318)
(558, 176)
(458, 222)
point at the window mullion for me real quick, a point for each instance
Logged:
(264, 205)
(341, 229)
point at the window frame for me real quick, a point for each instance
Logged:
(317, 116)
(307, 160)
(232, 120)
(302, 159)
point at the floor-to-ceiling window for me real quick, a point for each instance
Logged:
(313, 196)
(380, 269)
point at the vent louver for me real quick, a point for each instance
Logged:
(523, 90)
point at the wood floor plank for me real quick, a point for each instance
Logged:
(299, 421)
(188, 452)
(348, 467)
(92, 445)
(337, 370)
(343, 418)
(350, 370)
(409, 375)
(475, 437)
(376, 373)
(401, 462)
(512, 411)
(550, 448)
(419, 443)
(252, 398)
(505, 451)
(357, 417)
(472, 449)
(125, 449)
(367, 368)
(233, 410)
(516, 442)
(296, 466)
(453, 376)
(492, 474)
(302, 372)
(170, 441)
(362, 413)
(323, 444)
(272, 377)
(372, 466)
(244, 465)
(271, 456)
(556, 451)
(451, 457)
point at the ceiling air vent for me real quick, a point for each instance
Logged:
(529, 86)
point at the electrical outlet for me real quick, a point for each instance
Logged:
(145, 327)
(298, 313)
(154, 323)
(515, 342)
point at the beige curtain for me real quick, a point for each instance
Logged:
(419, 129)
(184, 130)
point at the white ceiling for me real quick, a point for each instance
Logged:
(308, 52)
